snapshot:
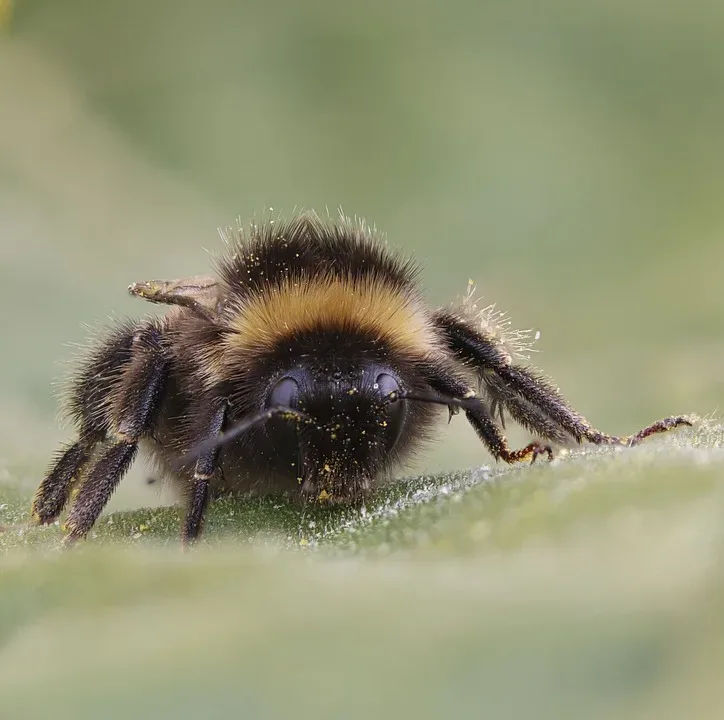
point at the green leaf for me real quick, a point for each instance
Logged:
(590, 585)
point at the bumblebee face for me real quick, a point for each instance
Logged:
(351, 423)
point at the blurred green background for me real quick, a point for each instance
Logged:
(567, 156)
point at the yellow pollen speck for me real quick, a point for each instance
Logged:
(304, 542)
(300, 480)
(324, 495)
(327, 468)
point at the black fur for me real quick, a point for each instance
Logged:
(89, 402)
(307, 246)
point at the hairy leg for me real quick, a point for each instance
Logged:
(89, 404)
(114, 400)
(211, 424)
(529, 398)
(134, 409)
(445, 382)
(53, 493)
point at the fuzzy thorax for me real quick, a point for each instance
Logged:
(366, 306)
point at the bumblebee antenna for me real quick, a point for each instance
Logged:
(453, 404)
(434, 398)
(240, 428)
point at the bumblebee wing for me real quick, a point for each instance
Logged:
(199, 293)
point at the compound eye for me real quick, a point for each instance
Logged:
(386, 384)
(285, 393)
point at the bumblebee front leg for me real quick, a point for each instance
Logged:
(133, 411)
(449, 386)
(198, 493)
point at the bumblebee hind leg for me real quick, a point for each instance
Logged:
(545, 398)
(115, 398)
(530, 399)
(53, 493)
(90, 405)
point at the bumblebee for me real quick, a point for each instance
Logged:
(310, 365)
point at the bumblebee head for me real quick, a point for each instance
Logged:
(350, 426)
